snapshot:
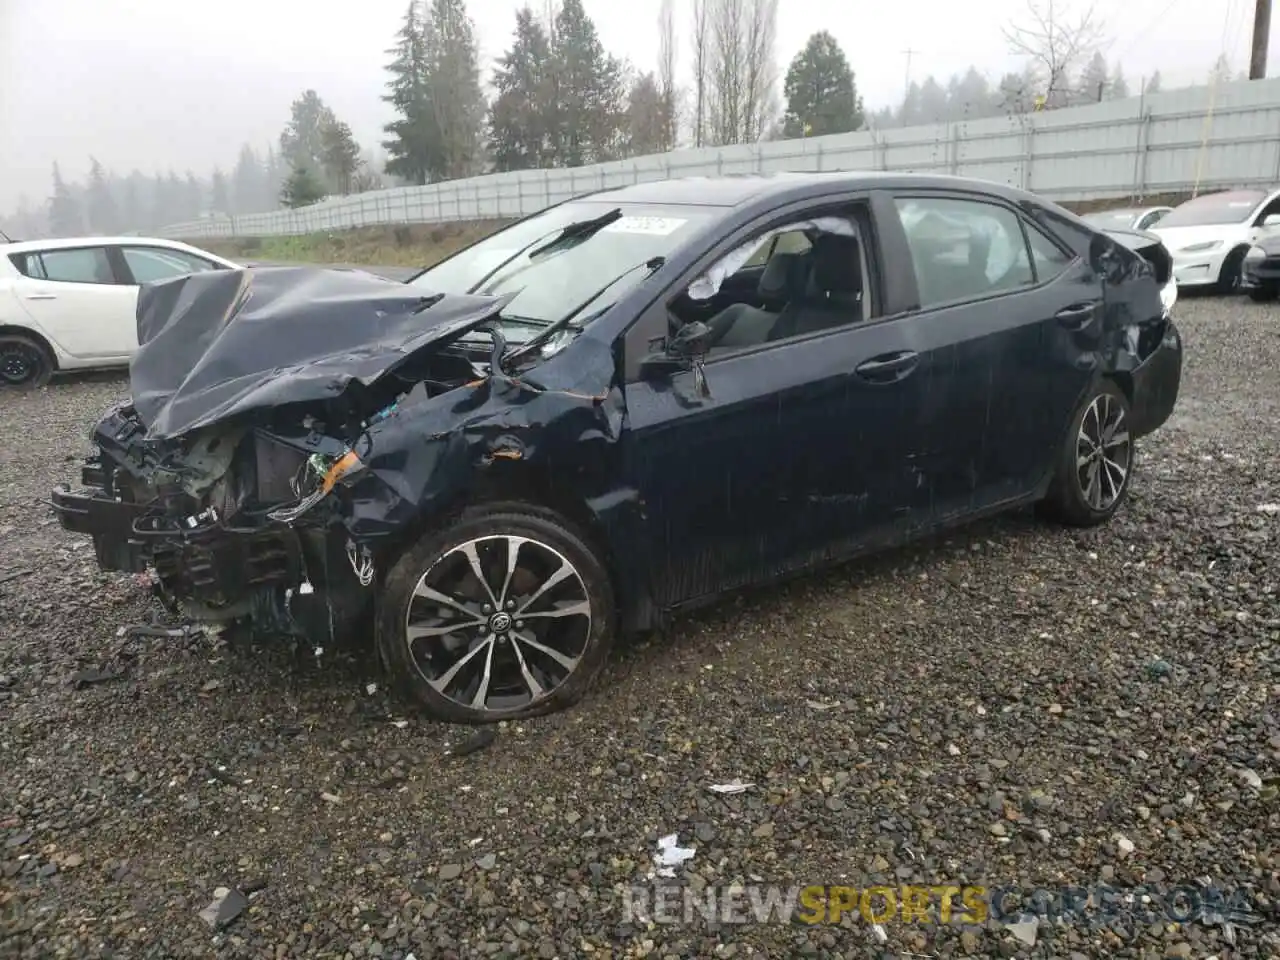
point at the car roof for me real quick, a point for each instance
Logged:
(60, 243)
(732, 190)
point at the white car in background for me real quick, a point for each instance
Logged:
(1126, 218)
(1209, 236)
(71, 304)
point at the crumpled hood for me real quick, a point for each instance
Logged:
(220, 344)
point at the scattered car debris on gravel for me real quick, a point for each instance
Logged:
(226, 906)
(126, 807)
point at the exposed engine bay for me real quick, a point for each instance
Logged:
(233, 509)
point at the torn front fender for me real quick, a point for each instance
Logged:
(429, 452)
(221, 344)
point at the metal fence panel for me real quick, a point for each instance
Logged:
(1163, 143)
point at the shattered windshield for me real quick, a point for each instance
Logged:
(556, 261)
(1232, 206)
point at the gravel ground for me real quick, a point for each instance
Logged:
(1014, 705)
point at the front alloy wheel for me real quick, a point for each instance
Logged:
(502, 615)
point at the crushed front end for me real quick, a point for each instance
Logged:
(221, 519)
(254, 393)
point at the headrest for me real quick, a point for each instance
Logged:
(837, 268)
(781, 275)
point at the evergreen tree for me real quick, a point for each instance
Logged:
(1153, 84)
(1094, 80)
(820, 92)
(522, 114)
(104, 217)
(192, 198)
(219, 194)
(157, 213)
(588, 90)
(339, 154)
(302, 187)
(1221, 72)
(413, 137)
(453, 77)
(647, 123)
(248, 183)
(65, 217)
(132, 214)
(302, 142)
(273, 181)
(1119, 89)
(175, 200)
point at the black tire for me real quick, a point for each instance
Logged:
(1265, 293)
(1229, 279)
(1069, 498)
(24, 363)
(549, 541)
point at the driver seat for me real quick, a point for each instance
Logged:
(744, 325)
(833, 291)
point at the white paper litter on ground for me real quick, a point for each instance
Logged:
(670, 856)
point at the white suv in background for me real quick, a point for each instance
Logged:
(1210, 235)
(71, 304)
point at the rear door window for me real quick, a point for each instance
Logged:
(79, 265)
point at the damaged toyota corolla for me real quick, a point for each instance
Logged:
(622, 406)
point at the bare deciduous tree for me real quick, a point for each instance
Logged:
(741, 100)
(667, 87)
(760, 105)
(701, 68)
(1055, 41)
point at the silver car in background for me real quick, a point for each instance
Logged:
(1127, 218)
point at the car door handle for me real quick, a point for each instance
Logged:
(1077, 315)
(888, 367)
(42, 296)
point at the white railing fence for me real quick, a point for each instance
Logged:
(1164, 143)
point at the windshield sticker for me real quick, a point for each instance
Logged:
(653, 226)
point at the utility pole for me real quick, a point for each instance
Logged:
(1261, 31)
(906, 86)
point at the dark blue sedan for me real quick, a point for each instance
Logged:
(623, 406)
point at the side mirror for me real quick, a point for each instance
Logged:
(691, 340)
(1271, 220)
(690, 343)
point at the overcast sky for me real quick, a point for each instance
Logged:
(155, 84)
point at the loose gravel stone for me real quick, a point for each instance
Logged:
(997, 707)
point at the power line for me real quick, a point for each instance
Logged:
(1213, 99)
(1142, 34)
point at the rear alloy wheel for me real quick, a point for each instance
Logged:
(502, 615)
(1229, 279)
(1095, 465)
(24, 364)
